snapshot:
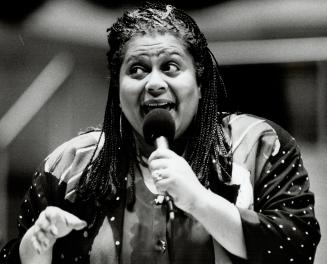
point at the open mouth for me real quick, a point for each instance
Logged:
(154, 104)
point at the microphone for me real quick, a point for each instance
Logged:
(159, 130)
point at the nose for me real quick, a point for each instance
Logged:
(156, 85)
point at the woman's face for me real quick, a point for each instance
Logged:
(157, 71)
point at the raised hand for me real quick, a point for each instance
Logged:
(52, 224)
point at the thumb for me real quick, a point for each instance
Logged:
(74, 222)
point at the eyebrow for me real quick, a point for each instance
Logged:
(144, 54)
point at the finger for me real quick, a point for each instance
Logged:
(36, 244)
(158, 164)
(74, 222)
(42, 239)
(53, 230)
(43, 224)
(161, 153)
(162, 186)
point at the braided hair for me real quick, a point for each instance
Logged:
(106, 173)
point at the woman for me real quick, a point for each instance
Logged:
(239, 189)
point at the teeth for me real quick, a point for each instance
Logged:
(148, 107)
(157, 105)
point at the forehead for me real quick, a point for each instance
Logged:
(155, 45)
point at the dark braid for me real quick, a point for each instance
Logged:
(105, 174)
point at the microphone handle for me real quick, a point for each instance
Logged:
(162, 142)
(170, 204)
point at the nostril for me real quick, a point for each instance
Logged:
(156, 92)
(156, 89)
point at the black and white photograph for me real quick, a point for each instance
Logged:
(163, 132)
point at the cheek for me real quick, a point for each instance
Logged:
(128, 92)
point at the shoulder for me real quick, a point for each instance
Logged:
(246, 129)
(72, 157)
(255, 140)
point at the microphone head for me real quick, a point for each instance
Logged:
(158, 122)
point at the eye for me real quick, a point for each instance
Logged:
(170, 67)
(137, 71)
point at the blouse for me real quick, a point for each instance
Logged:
(273, 198)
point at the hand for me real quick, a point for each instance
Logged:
(173, 175)
(52, 224)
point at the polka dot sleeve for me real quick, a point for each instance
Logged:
(282, 228)
(34, 202)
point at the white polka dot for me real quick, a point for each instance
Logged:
(281, 247)
(268, 197)
(310, 208)
(302, 246)
(282, 161)
(300, 165)
(284, 152)
(268, 171)
(310, 258)
(112, 219)
(85, 234)
(117, 243)
(39, 195)
(293, 165)
(291, 260)
(293, 228)
(281, 226)
(76, 259)
(268, 226)
(268, 251)
(278, 186)
(117, 198)
(291, 215)
(306, 232)
(297, 173)
(304, 211)
(62, 256)
(258, 198)
(288, 238)
(274, 217)
(265, 186)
